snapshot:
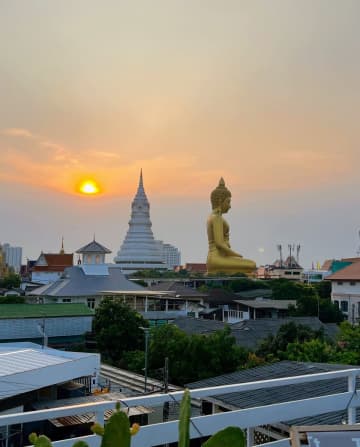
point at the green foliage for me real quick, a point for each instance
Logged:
(275, 347)
(134, 361)
(244, 284)
(311, 300)
(348, 345)
(228, 437)
(315, 350)
(117, 329)
(10, 281)
(194, 357)
(323, 289)
(12, 299)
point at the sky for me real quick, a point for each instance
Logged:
(262, 93)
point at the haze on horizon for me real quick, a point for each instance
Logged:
(264, 94)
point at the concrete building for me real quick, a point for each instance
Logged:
(139, 250)
(13, 257)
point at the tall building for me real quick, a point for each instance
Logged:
(171, 255)
(13, 257)
(139, 250)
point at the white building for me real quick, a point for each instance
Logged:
(13, 256)
(345, 291)
(171, 255)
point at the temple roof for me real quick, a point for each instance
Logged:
(93, 247)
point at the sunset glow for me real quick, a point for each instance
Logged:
(89, 187)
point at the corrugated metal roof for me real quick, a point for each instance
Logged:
(270, 396)
(21, 360)
(77, 283)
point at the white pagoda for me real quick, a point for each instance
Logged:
(139, 250)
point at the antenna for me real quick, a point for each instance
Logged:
(290, 247)
(298, 247)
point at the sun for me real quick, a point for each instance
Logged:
(89, 187)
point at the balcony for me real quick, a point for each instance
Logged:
(167, 432)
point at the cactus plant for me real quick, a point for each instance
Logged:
(229, 437)
(184, 420)
(117, 432)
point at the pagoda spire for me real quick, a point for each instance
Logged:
(140, 250)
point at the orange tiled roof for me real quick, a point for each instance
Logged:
(327, 264)
(357, 259)
(350, 273)
(56, 262)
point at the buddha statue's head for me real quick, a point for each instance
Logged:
(220, 197)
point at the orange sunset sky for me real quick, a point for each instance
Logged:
(264, 93)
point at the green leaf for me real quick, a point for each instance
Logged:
(229, 437)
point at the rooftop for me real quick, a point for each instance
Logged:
(350, 273)
(93, 247)
(267, 303)
(76, 282)
(8, 311)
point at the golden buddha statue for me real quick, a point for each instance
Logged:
(221, 258)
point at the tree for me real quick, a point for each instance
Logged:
(275, 347)
(194, 357)
(117, 329)
(10, 281)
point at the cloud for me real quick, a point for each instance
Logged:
(17, 132)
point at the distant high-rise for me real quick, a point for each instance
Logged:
(171, 255)
(13, 257)
(139, 250)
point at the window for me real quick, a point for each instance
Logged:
(91, 303)
(353, 283)
(336, 302)
(344, 306)
(66, 300)
(339, 283)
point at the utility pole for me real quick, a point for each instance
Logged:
(166, 407)
(147, 334)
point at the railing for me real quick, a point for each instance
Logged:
(167, 432)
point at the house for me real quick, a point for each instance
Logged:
(345, 291)
(50, 266)
(56, 324)
(263, 308)
(186, 298)
(272, 396)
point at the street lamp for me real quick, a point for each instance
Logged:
(147, 333)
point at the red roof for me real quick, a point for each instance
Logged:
(350, 273)
(195, 267)
(56, 262)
